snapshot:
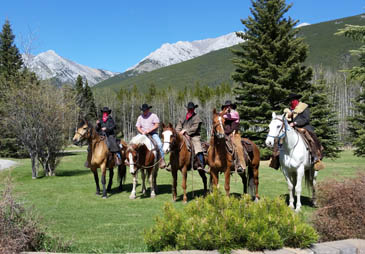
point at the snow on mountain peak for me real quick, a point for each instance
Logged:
(180, 51)
(49, 65)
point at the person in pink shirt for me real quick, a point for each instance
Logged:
(147, 124)
(231, 129)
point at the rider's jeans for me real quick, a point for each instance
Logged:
(159, 143)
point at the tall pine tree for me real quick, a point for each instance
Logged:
(90, 107)
(10, 59)
(357, 122)
(269, 66)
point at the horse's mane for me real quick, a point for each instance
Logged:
(142, 140)
(82, 123)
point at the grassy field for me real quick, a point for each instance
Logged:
(69, 207)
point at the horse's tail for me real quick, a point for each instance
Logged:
(309, 177)
(122, 170)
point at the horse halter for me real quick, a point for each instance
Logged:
(131, 149)
(82, 136)
(284, 125)
(215, 132)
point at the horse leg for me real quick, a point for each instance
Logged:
(155, 172)
(96, 178)
(314, 194)
(290, 187)
(111, 174)
(244, 181)
(143, 174)
(227, 180)
(214, 178)
(184, 172)
(133, 193)
(122, 170)
(152, 183)
(298, 186)
(174, 183)
(254, 183)
(103, 179)
(204, 178)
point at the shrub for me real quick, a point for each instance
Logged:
(341, 209)
(19, 229)
(224, 223)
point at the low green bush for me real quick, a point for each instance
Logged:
(224, 223)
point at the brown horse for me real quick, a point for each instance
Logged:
(180, 158)
(141, 155)
(220, 159)
(100, 156)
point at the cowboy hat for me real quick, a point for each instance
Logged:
(294, 96)
(229, 103)
(145, 107)
(106, 109)
(191, 105)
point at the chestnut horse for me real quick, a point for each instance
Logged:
(141, 154)
(180, 158)
(220, 159)
(100, 156)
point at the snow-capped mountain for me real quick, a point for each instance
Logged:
(181, 51)
(49, 65)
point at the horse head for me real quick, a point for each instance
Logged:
(131, 157)
(218, 124)
(277, 129)
(82, 132)
(169, 137)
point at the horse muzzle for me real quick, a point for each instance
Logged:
(269, 142)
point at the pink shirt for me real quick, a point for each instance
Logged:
(233, 116)
(146, 123)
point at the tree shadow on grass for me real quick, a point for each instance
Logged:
(192, 194)
(161, 189)
(77, 172)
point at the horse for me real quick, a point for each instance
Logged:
(220, 159)
(180, 158)
(294, 158)
(141, 155)
(100, 156)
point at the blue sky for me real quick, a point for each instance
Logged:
(116, 34)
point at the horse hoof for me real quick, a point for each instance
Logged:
(132, 197)
(297, 210)
(153, 195)
(105, 197)
(108, 190)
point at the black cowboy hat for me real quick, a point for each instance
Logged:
(294, 96)
(229, 103)
(106, 109)
(145, 107)
(191, 105)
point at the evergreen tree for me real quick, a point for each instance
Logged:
(357, 122)
(10, 59)
(90, 107)
(323, 117)
(269, 66)
(79, 87)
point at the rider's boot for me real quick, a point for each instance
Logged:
(118, 159)
(201, 165)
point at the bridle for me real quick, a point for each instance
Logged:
(284, 125)
(82, 136)
(215, 132)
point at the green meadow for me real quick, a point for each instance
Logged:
(68, 207)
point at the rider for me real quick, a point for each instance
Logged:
(231, 128)
(105, 127)
(190, 125)
(299, 116)
(148, 123)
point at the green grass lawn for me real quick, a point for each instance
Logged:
(69, 207)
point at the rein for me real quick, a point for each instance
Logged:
(131, 149)
(284, 125)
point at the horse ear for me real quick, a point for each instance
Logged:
(214, 111)
(163, 125)
(170, 126)
(273, 115)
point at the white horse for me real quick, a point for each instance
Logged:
(295, 159)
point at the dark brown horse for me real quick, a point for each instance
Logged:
(141, 155)
(100, 156)
(180, 158)
(220, 159)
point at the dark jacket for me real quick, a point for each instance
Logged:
(109, 132)
(301, 117)
(109, 124)
(192, 126)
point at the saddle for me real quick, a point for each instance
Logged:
(194, 159)
(155, 146)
